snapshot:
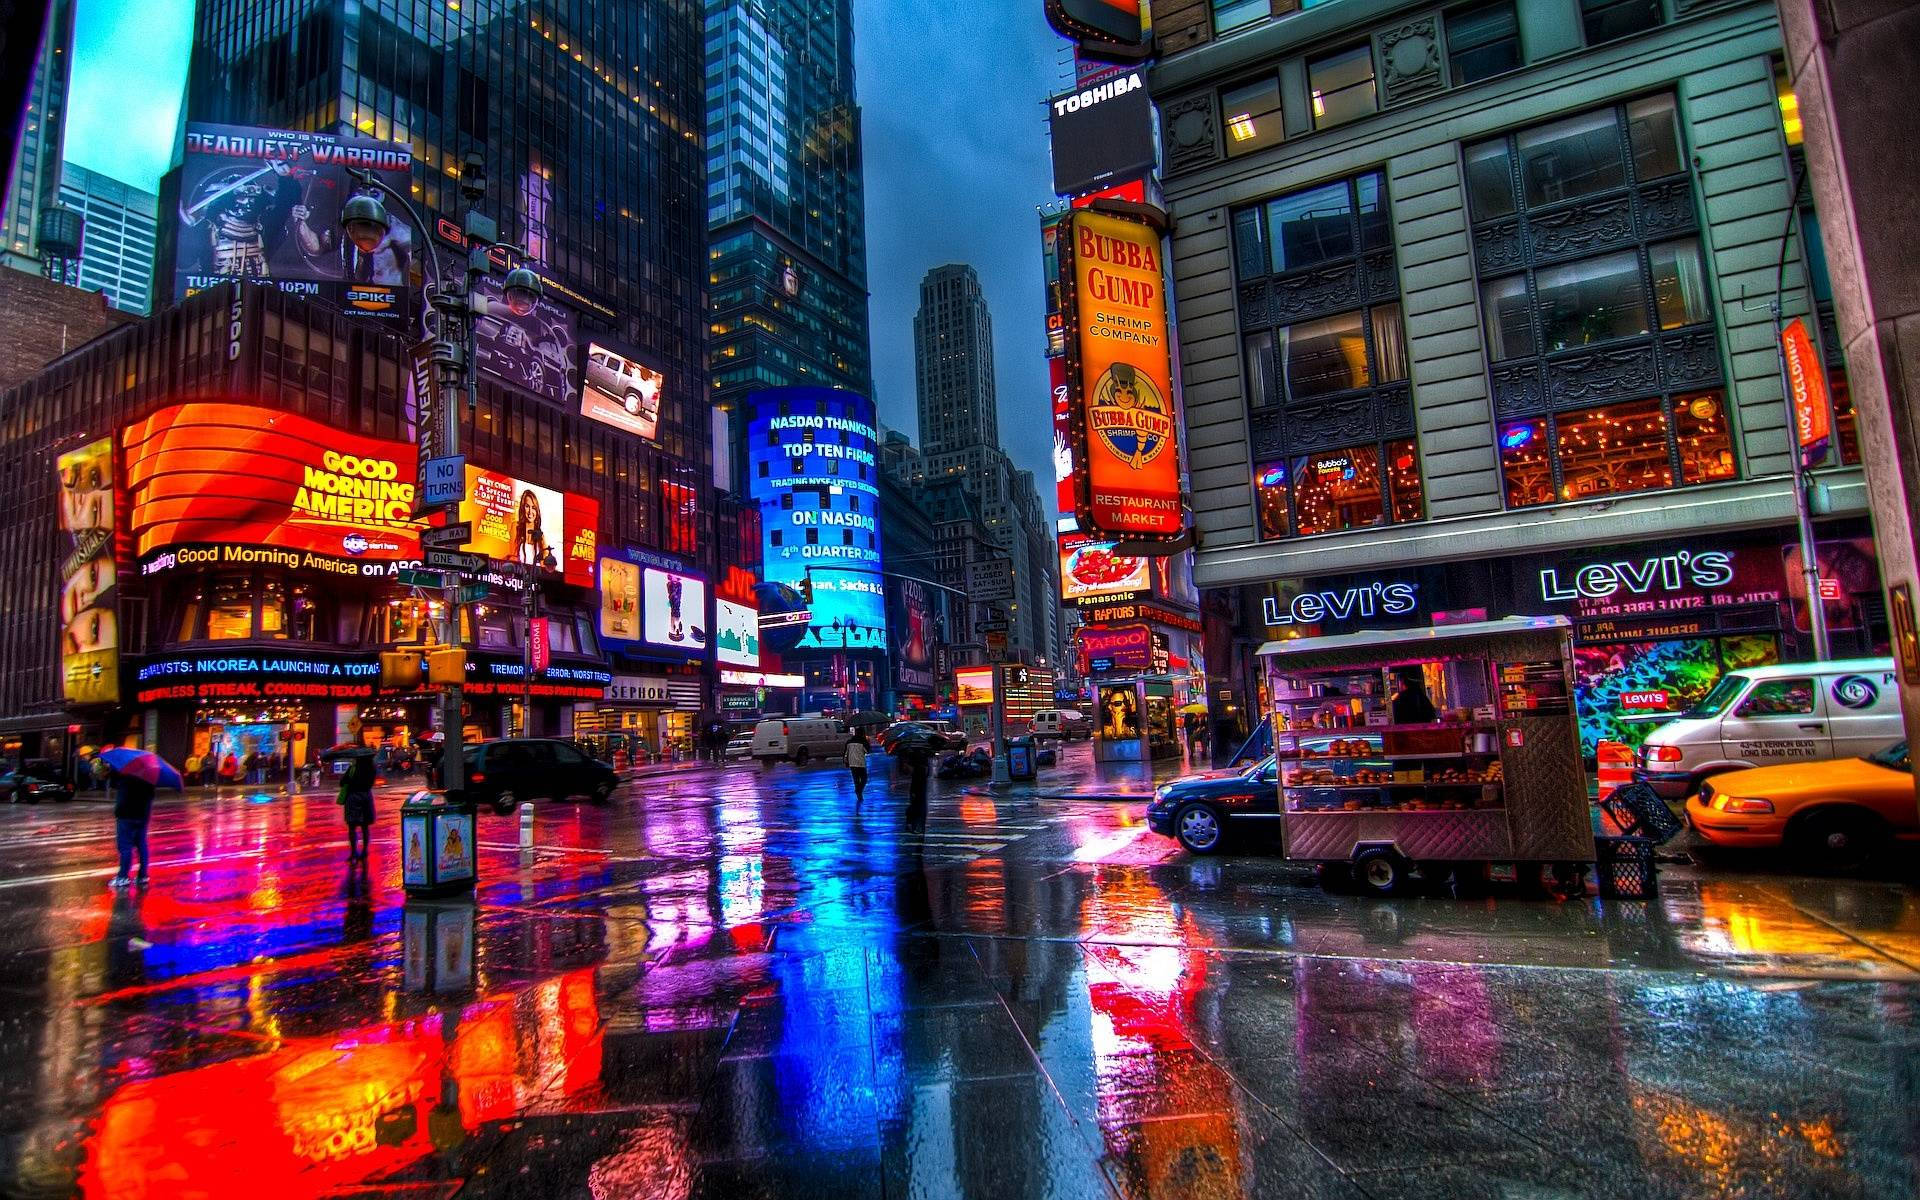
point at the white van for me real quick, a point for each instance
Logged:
(1062, 723)
(799, 739)
(1791, 712)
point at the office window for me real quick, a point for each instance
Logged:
(1482, 41)
(1310, 227)
(1594, 300)
(1572, 158)
(1679, 283)
(1251, 116)
(1509, 313)
(1704, 437)
(1606, 20)
(1229, 15)
(1390, 343)
(1489, 169)
(1321, 357)
(1653, 129)
(1342, 86)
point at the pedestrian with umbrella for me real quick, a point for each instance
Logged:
(356, 799)
(136, 775)
(914, 751)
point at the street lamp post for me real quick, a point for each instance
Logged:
(448, 350)
(526, 640)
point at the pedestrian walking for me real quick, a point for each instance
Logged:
(914, 757)
(857, 747)
(356, 805)
(230, 768)
(100, 771)
(132, 809)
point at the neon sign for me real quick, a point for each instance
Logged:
(1361, 600)
(1673, 572)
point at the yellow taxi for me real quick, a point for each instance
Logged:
(1837, 813)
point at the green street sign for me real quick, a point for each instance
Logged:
(470, 593)
(419, 579)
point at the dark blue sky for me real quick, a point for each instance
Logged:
(956, 161)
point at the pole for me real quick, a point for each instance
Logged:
(1001, 776)
(526, 653)
(1803, 516)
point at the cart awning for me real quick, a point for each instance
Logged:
(1409, 637)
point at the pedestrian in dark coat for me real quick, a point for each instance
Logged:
(356, 804)
(857, 747)
(132, 809)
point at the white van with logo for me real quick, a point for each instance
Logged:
(799, 739)
(1759, 716)
(1062, 723)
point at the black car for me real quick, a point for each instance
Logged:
(508, 770)
(1204, 812)
(34, 782)
(940, 736)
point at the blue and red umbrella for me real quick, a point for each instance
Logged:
(142, 764)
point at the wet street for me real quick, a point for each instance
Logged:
(724, 984)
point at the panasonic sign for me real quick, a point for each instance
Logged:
(1360, 601)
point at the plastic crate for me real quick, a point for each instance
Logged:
(1624, 867)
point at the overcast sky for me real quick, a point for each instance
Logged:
(956, 163)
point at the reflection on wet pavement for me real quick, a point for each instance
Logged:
(733, 985)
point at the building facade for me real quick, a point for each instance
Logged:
(116, 249)
(786, 208)
(1474, 298)
(954, 389)
(33, 179)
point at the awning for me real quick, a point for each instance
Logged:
(1411, 637)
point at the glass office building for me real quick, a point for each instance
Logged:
(787, 263)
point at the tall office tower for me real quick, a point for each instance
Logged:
(33, 182)
(786, 208)
(116, 253)
(589, 117)
(953, 362)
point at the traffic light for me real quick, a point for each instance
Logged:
(1016, 677)
(446, 664)
(400, 670)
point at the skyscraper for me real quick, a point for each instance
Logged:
(33, 180)
(116, 254)
(953, 362)
(786, 211)
(589, 122)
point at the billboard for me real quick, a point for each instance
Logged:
(673, 606)
(1102, 134)
(534, 352)
(264, 204)
(913, 634)
(1120, 380)
(1062, 439)
(89, 621)
(1052, 227)
(1091, 570)
(617, 389)
(736, 634)
(217, 484)
(518, 522)
(1116, 25)
(973, 685)
(811, 468)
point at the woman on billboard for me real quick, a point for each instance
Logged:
(530, 546)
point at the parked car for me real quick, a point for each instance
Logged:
(1205, 812)
(1762, 716)
(1064, 723)
(799, 740)
(941, 734)
(738, 748)
(33, 782)
(1834, 814)
(506, 771)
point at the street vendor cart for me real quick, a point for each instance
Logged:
(1449, 749)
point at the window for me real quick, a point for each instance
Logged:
(1509, 318)
(1311, 227)
(1251, 115)
(1778, 698)
(1617, 449)
(1611, 450)
(1653, 128)
(1524, 463)
(1341, 489)
(1846, 434)
(1679, 284)
(1390, 343)
(1260, 382)
(1704, 438)
(230, 612)
(1482, 41)
(1342, 86)
(1594, 300)
(1229, 15)
(1572, 158)
(1490, 180)
(1320, 357)
(1606, 20)
(1270, 488)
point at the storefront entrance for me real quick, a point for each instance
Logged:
(250, 745)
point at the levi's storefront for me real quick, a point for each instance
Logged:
(1655, 623)
(269, 547)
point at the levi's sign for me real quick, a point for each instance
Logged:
(1681, 570)
(1359, 601)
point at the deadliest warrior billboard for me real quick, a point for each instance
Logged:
(1120, 380)
(264, 204)
(218, 484)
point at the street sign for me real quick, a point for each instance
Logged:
(420, 579)
(469, 593)
(992, 626)
(443, 480)
(443, 537)
(470, 564)
(989, 580)
(1830, 589)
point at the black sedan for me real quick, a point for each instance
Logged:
(1205, 812)
(33, 783)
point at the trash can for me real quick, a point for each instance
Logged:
(1020, 764)
(437, 847)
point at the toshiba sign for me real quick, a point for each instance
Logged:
(1102, 135)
